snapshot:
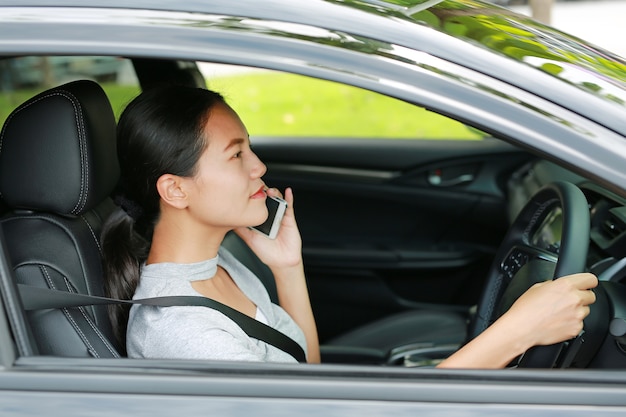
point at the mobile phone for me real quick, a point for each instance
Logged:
(276, 208)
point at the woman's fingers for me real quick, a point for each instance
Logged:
(588, 297)
(581, 286)
(274, 192)
(583, 281)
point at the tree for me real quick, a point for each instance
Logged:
(542, 10)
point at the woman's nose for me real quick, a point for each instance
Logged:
(258, 167)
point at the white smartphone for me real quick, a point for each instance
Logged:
(276, 208)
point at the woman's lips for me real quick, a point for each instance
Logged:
(260, 193)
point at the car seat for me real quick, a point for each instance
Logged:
(58, 165)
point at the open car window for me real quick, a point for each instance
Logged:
(387, 230)
(272, 103)
(288, 108)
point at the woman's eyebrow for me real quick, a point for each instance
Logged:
(234, 142)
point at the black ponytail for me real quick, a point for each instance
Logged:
(124, 253)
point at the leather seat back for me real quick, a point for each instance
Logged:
(58, 166)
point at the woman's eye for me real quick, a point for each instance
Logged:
(237, 155)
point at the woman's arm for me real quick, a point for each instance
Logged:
(283, 256)
(548, 313)
(293, 297)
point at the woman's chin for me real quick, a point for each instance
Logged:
(258, 220)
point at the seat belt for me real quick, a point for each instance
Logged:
(37, 298)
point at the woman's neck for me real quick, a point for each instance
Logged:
(173, 242)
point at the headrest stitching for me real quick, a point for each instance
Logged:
(78, 115)
(82, 200)
(93, 234)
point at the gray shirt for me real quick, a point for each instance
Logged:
(195, 332)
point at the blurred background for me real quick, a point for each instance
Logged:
(596, 21)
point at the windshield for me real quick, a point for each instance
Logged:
(519, 37)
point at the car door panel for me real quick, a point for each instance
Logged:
(393, 224)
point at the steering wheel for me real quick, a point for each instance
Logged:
(548, 239)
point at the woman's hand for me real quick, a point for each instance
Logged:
(547, 313)
(284, 257)
(553, 311)
(286, 249)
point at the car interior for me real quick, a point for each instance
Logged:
(399, 236)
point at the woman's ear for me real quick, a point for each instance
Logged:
(170, 189)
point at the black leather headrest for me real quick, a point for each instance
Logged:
(58, 151)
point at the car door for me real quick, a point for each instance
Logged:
(399, 208)
(417, 231)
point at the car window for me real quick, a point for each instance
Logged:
(23, 77)
(273, 103)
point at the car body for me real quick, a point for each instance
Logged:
(389, 224)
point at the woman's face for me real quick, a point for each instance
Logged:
(227, 190)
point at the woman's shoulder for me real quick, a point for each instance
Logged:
(188, 332)
(183, 323)
(151, 285)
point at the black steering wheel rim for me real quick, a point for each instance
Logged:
(571, 257)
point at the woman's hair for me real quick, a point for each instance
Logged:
(160, 132)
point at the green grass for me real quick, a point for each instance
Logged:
(276, 104)
(11, 99)
(119, 95)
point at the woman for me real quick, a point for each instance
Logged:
(189, 177)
